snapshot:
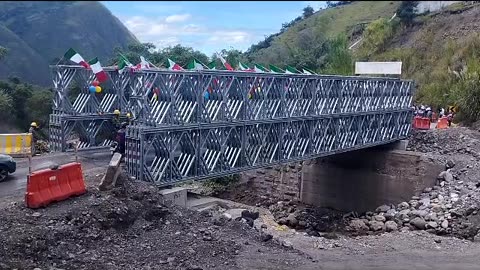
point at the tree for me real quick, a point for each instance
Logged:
(6, 106)
(308, 11)
(406, 12)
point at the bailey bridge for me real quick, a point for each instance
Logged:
(192, 125)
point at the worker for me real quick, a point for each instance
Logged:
(34, 131)
(121, 138)
(129, 118)
(116, 119)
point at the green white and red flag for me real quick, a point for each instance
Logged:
(75, 57)
(260, 68)
(225, 63)
(172, 65)
(275, 69)
(291, 70)
(98, 70)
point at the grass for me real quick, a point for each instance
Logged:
(335, 21)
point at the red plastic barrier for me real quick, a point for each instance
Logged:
(442, 122)
(47, 186)
(421, 122)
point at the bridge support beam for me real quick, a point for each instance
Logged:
(365, 179)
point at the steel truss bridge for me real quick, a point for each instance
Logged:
(192, 125)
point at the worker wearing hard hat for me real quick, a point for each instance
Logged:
(34, 131)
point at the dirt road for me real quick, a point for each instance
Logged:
(16, 183)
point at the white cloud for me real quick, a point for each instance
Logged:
(163, 33)
(177, 18)
(231, 37)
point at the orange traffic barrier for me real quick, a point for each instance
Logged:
(50, 185)
(442, 122)
(421, 122)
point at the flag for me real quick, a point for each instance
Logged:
(224, 62)
(143, 63)
(123, 63)
(291, 70)
(274, 69)
(73, 56)
(212, 65)
(243, 66)
(260, 68)
(195, 65)
(98, 70)
(308, 71)
(172, 65)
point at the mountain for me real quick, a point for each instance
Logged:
(37, 34)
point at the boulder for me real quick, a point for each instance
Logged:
(403, 205)
(292, 220)
(431, 225)
(444, 224)
(379, 218)
(403, 214)
(391, 226)
(390, 214)
(450, 164)
(377, 226)
(383, 208)
(418, 222)
(358, 225)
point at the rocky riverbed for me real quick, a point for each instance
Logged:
(451, 207)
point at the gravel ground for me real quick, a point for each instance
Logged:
(127, 228)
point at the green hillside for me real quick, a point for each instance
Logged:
(37, 33)
(306, 38)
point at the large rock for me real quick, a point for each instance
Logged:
(292, 220)
(377, 226)
(431, 217)
(383, 208)
(418, 222)
(390, 214)
(358, 225)
(403, 205)
(403, 214)
(418, 213)
(444, 224)
(391, 226)
(234, 213)
(250, 214)
(450, 164)
(379, 218)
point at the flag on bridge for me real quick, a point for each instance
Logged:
(225, 63)
(291, 70)
(195, 65)
(98, 70)
(274, 69)
(212, 65)
(123, 64)
(75, 57)
(172, 65)
(260, 68)
(308, 71)
(243, 67)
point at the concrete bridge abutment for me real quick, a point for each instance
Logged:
(355, 181)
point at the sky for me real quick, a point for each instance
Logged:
(207, 26)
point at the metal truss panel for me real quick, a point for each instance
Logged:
(202, 124)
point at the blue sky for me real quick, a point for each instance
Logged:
(206, 26)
